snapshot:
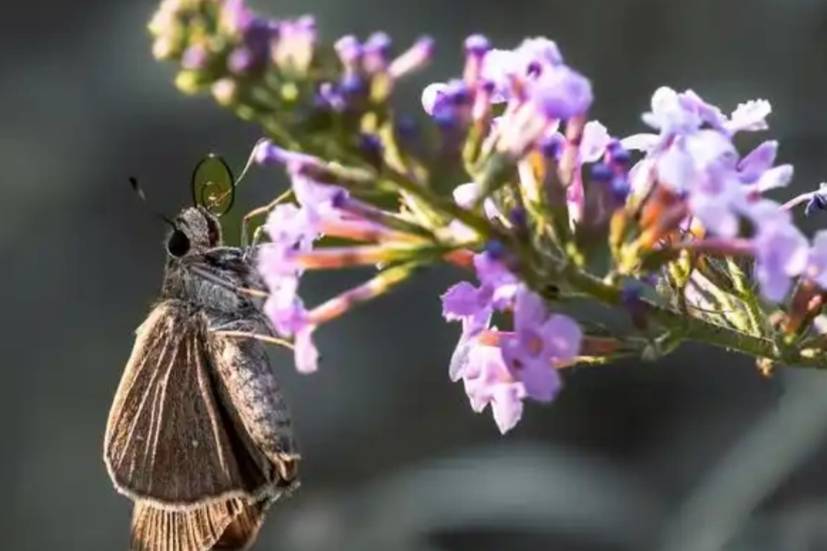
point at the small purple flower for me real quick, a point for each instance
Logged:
(539, 343)
(291, 229)
(562, 93)
(781, 250)
(487, 381)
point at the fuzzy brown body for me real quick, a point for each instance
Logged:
(199, 436)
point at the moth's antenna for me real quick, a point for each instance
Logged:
(136, 187)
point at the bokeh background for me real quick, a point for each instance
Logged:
(693, 452)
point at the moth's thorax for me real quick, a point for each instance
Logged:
(214, 281)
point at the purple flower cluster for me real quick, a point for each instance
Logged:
(369, 62)
(252, 40)
(503, 368)
(693, 156)
(538, 88)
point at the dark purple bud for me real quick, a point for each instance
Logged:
(601, 172)
(457, 93)
(630, 297)
(518, 218)
(330, 97)
(406, 126)
(340, 199)
(370, 144)
(552, 146)
(620, 187)
(352, 85)
(495, 249)
(446, 117)
(618, 155)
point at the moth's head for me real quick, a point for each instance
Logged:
(196, 231)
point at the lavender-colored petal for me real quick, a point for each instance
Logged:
(781, 250)
(461, 300)
(594, 142)
(757, 161)
(750, 116)
(541, 381)
(711, 149)
(530, 310)
(715, 215)
(675, 168)
(306, 354)
(506, 406)
(483, 371)
(776, 177)
(316, 196)
(641, 142)
(707, 112)
(563, 338)
(472, 326)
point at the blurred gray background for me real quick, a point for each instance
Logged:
(689, 453)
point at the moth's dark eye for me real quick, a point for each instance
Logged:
(214, 231)
(178, 244)
(212, 185)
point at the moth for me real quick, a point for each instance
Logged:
(199, 436)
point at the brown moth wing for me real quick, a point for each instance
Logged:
(243, 530)
(253, 394)
(231, 524)
(169, 440)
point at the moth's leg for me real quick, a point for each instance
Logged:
(253, 391)
(212, 278)
(255, 336)
(247, 221)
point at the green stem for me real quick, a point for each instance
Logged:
(691, 328)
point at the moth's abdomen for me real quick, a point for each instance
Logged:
(254, 394)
